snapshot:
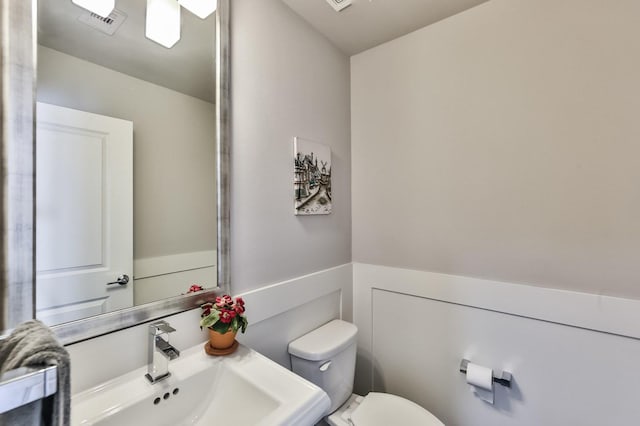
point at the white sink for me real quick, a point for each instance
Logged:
(245, 388)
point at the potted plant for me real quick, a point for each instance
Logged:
(223, 317)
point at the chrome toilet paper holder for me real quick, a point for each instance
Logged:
(503, 378)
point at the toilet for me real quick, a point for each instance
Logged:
(326, 357)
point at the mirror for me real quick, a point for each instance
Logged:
(125, 161)
(126, 177)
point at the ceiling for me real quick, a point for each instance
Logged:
(188, 67)
(368, 23)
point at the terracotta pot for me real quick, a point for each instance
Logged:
(221, 341)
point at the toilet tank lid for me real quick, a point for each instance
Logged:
(324, 342)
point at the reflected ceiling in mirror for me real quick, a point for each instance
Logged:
(125, 156)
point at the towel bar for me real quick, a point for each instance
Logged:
(24, 385)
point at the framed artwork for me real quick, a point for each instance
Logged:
(311, 177)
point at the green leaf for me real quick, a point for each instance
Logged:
(210, 319)
(220, 327)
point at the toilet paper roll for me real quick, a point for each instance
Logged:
(479, 376)
(481, 380)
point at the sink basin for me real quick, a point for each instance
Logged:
(245, 388)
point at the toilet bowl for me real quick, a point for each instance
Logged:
(378, 409)
(326, 357)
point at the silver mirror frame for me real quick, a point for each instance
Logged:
(18, 23)
(17, 165)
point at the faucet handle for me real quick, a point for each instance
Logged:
(160, 327)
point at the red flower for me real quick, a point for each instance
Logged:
(221, 301)
(227, 316)
(239, 309)
(224, 310)
(194, 288)
(206, 309)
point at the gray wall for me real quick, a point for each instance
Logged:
(173, 146)
(287, 81)
(503, 143)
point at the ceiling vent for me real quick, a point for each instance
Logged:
(108, 25)
(339, 5)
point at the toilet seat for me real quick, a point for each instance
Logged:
(382, 409)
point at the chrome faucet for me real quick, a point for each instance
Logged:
(160, 351)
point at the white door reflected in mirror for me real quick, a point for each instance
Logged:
(84, 213)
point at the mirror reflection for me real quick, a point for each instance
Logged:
(125, 175)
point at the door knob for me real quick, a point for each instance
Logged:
(122, 280)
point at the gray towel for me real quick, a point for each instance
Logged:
(33, 344)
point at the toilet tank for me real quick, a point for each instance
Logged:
(326, 357)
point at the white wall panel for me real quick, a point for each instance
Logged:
(412, 336)
(271, 337)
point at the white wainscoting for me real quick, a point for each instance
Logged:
(160, 277)
(573, 355)
(282, 312)
(277, 313)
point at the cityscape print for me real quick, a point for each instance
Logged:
(312, 177)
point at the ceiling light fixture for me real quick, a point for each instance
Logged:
(163, 22)
(201, 8)
(99, 7)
